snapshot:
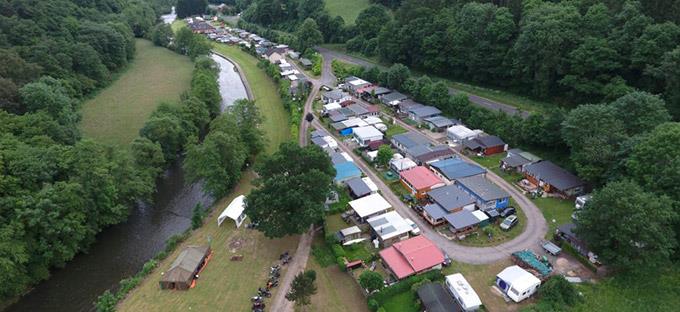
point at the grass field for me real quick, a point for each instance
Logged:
(117, 113)
(556, 212)
(347, 9)
(336, 290)
(266, 95)
(225, 285)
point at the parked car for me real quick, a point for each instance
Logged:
(414, 227)
(508, 212)
(509, 222)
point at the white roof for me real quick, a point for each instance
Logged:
(332, 143)
(292, 77)
(354, 122)
(480, 215)
(372, 120)
(389, 225)
(358, 81)
(460, 131)
(402, 164)
(350, 230)
(380, 126)
(518, 278)
(369, 205)
(289, 72)
(332, 106)
(367, 132)
(347, 157)
(372, 155)
(467, 296)
(233, 211)
(371, 185)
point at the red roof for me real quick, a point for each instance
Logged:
(373, 108)
(420, 178)
(412, 256)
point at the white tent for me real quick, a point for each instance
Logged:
(234, 211)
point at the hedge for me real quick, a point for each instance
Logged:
(382, 296)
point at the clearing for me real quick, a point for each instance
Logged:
(117, 113)
(347, 9)
(224, 284)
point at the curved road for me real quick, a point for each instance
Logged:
(474, 99)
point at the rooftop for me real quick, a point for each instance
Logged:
(461, 219)
(409, 139)
(394, 96)
(440, 121)
(358, 187)
(369, 205)
(483, 188)
(425, 111)
(346, 170)
(456, 168)
(411, 256)
(388, 225)
(435, 211)
(450, 197)
(420, 178)
(437, 299)
(554, 175)
(367, 132)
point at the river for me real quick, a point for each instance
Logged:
(121, 250)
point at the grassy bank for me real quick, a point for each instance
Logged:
(275, 123)
(347, 9)
(226, 285)
(117, 113)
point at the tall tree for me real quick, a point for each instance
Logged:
(628, 227)
(308, 35)
(249, 120)
(302, 288)
(640, 112)
(371, 20)
(293, 185)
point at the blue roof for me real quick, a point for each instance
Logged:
(346, 170)
(435, 211)
(456, 168)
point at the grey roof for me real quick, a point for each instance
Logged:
(424, 153)
(337, 158)
(339, 125)
(357, 109)
(305, 62)
(483, 188)
(394, 96)
(407, 104)
(346, 111)
(351, 78)
(335, 95)
(319, 141)
(440, 121)
(450, 197)
(381, 91)
(425, 111)
(319, 133)
(435, 211)
(358, 187)
(490, 140)
(410, 139)
(336, 116)
(461, 219)
(437, 299)
(515, 161)
(554, 175)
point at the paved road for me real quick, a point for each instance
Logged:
(478, 100)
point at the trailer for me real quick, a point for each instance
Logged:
(551, 248)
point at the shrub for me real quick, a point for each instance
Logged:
(417, 285)
(331, 239)
(341, 263)
(338, 251)
(106, 302)
(405, 285)
(382, 309)
(373, 305)
(371, 280)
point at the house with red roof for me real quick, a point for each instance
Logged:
(412, 256)
(419, 180)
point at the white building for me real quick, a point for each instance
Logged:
(331, 107)
(367, 134)
(463, 292)
(517, 283)
(234, 211)
(370, 206)
(390, 227)
(459, 133)
(398, 163)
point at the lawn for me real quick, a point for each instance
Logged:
(347, 9)
(223, 284)
(177, 24)
(115, 115)
(335, 223)
(266, 95)
(556, 212)
(498, 236)
(403, 302)
(394, 129)
(336, 291)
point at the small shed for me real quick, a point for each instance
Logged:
(184, 269)
(235, 211)
(306, 63)
(349, 235)
(482, 217)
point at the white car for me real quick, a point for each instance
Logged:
(414, 227)
(509, 222)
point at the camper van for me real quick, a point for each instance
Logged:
(461, 290)
(517, 283)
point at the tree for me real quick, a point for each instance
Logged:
(165, 129)
(669, 71)
(187, 8)
(558, 293)
(302, 288)
(293, 185)
(371, 280)
(197, 216)
(161, 34)
(655, 162)
(594, 134)
(628, 227)
(308, 35)
(204, 86)
(396, 75)
(384, 155)
(371, 20)
(248, 120)
(640, 112)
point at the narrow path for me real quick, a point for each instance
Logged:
(477, 100)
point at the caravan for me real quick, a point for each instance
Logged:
(461, 290)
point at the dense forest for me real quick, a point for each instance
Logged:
(57, 190)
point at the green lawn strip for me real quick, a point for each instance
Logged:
(115, 115)
(394, 129)
(499, 236)
(347, 9)
(343, 199)
(266, 95)
(337, 291)
(178, 24)
(403, 302)
(335, 223)
(556, 209)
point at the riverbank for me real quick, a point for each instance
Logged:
(117, 113)
(226, 284)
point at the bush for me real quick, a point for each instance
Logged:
(405, 285)
(373, 305)
(417, 285)
(341, 263)
(338, 251)
(382, 309)
(106, 302)
(371, 280)
(331, 239)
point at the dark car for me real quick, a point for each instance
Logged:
(508, 212)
